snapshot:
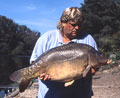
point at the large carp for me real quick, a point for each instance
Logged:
(64, 64)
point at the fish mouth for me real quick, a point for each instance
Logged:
(93, 70)
(109, 61)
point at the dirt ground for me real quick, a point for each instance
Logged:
(106, 84)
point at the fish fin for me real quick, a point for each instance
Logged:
(69, 83)
(24, 84)
(17, 75)
(86, 71)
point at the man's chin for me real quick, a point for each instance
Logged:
(74, 34)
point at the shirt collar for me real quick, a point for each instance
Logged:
(60, 39)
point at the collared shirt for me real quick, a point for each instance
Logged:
(50, 40)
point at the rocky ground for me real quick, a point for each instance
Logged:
(106, 84)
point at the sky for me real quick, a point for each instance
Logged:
(38, 15)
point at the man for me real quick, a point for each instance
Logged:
(70, 30)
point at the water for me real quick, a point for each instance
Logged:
(9, 64)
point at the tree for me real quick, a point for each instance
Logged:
(16, 39)
(103, 22)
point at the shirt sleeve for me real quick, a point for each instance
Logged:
(40, 47)
(92, 42)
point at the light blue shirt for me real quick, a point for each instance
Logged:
(50, 40)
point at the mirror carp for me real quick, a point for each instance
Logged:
(63, 63)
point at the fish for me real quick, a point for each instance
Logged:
(65, 63)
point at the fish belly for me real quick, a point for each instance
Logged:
(65, 71)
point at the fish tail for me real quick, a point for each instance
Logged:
(17, 75)
(24, 84)
(20, 77)
(24, 76)
(25, 72)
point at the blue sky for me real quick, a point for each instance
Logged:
(38, 15)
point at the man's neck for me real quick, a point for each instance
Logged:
(66, 39)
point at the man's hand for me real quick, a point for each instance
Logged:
(44, 77)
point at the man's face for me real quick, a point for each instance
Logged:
(71, 29)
